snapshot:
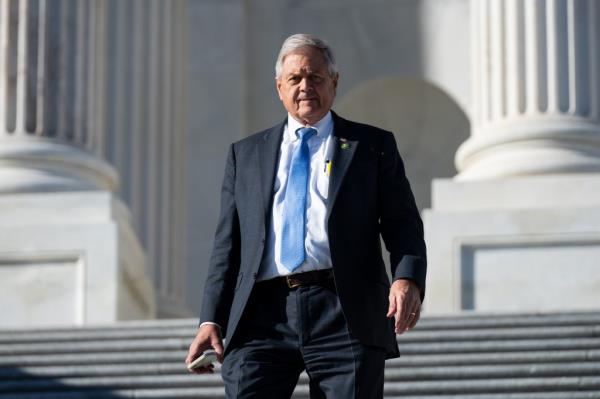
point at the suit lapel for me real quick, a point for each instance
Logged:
(268, 154)
(343, 152)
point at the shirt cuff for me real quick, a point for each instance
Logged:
(210, 323)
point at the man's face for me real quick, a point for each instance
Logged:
(305, 86)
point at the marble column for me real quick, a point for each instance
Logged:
(52, 96)
(517, 229)
(146, 133)
(535, 89)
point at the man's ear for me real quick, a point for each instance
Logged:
(278, 87)
(335, 82)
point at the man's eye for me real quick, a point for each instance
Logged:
(294, 79)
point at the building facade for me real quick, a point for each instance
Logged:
(116, 118)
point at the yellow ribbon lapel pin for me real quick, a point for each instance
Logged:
(344, 145)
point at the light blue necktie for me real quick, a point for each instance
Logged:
(293, 229)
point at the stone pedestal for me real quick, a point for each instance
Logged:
(70, 258)
(518, 228)
(522, 244)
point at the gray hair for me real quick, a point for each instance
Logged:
(299, 41)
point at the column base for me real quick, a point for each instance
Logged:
(29, 165)
(522, 244)
(529, 146)
(70, 259)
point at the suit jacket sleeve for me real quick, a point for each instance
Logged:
(225, 259)
(400, 223)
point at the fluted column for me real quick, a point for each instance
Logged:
(145, 134)
(52, 96)
(536, 89)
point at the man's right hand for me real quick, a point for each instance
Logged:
(208, 336)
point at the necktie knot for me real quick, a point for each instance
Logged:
(305, 133)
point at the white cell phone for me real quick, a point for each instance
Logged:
(203, 360)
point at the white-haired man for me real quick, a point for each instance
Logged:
(297, 279)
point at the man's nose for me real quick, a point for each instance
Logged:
(305, 85)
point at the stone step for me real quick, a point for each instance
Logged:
(478, 320)
(489, 358)
(500, 333)
(158, 393)
(28, 360)
(494, 386)
(500, 346)
(493, 371)
(92, 370)
(174, 344)
(507, 395)
(186, 327)
(418, 335)
(111, 382)
(23, 374)
(114, 386)
(193, 393)
(419, 360)
(217, 393)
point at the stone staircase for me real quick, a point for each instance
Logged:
(536, 356)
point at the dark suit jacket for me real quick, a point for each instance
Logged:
(369, 196)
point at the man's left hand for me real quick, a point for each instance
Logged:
(405, 304)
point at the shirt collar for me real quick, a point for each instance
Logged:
(324, 127)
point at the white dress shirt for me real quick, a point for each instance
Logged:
(316, 240)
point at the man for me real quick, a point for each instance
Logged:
(296, 279)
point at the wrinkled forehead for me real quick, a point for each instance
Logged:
(306, 59)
